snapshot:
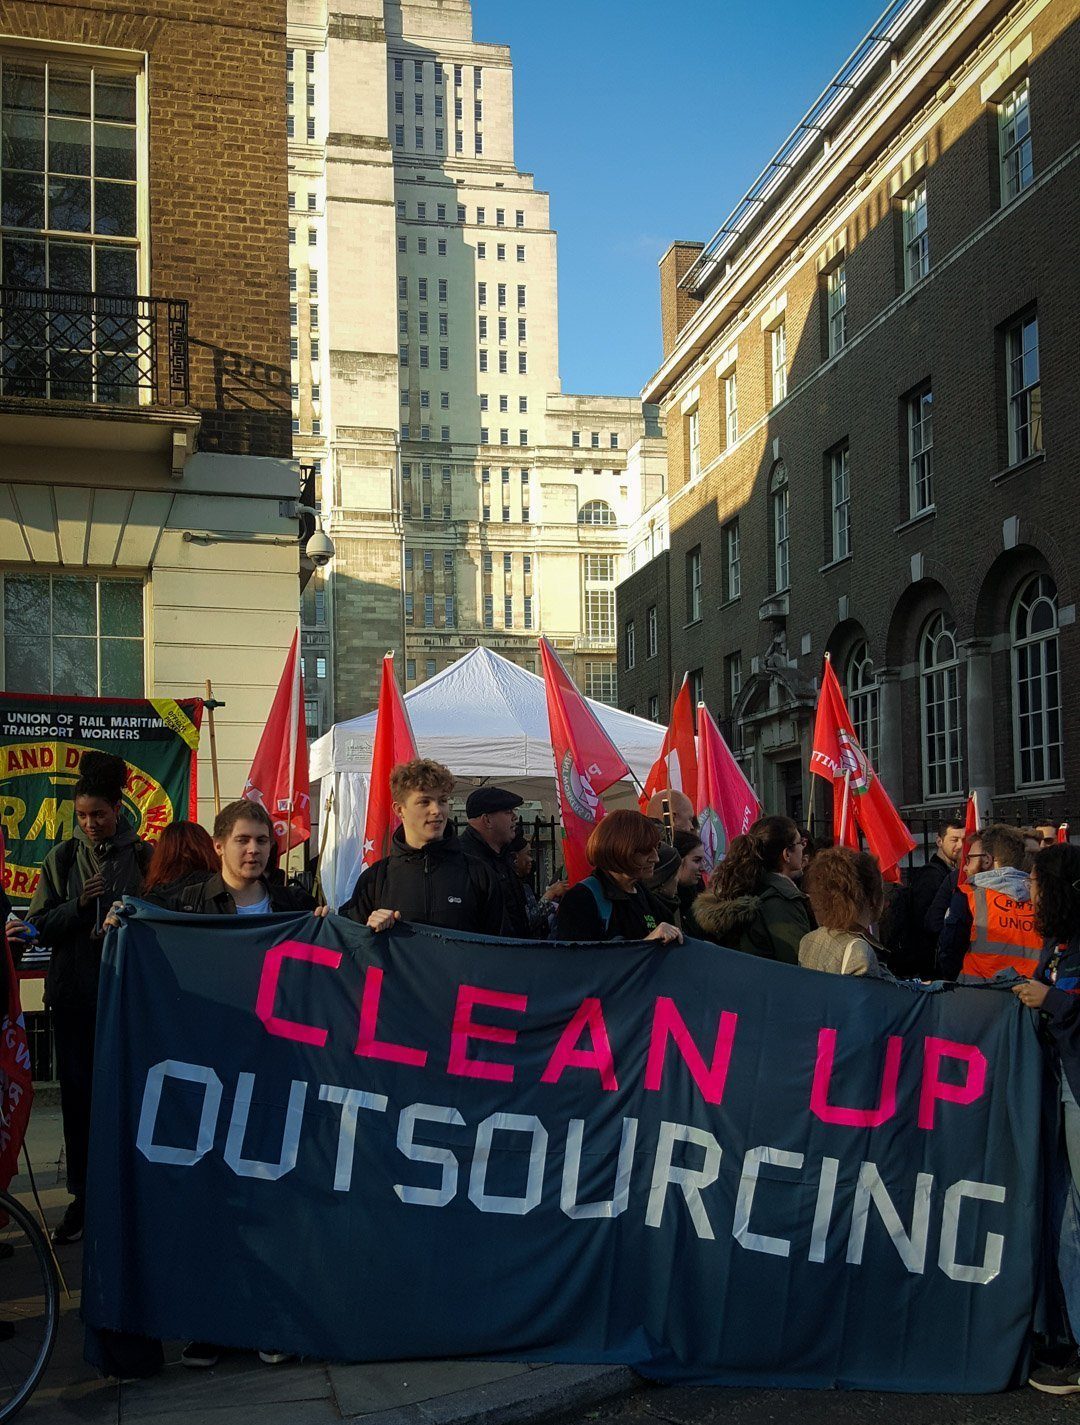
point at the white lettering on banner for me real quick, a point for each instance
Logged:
(423, 1153)
(478, 1144)
(352, 1101)
(614, 1206)
(744, 1203)
(691, 1180)
(508, 1123)
(950, 1227)
(208, 1114)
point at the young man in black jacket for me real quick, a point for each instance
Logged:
(427, 878)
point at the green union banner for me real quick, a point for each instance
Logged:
(42, 740)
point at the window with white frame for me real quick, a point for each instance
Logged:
(778, 354)
(73, 634)
(939, 685)
(600, 682)
(921, 451)
(650, 631)
(916, 236)
(733, 663)
(779, 518)
(1014, 142)
(597, 512)
(732, 561)
(1023, 388)
(731, 408)
(654, 708)
(840, 490)
(864, 699)
(836, 297)
(693, 584)
(1037, 735)
(631, 644)
(693, 440)
(599, 579)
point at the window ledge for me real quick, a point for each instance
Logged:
(835, 563)
(1019, 468)
(920, 518)
(730, 603)
(692, 623)
(1024, 789)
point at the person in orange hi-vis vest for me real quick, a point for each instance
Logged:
(991, 923)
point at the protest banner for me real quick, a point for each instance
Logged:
(708, 1166)
(42, 740)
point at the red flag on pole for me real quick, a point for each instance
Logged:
(394, 743)
(726, 803)
(586, 761)
(972, 825)
(16, 1084)
(838, 756)
(278, 779)
(677, 765)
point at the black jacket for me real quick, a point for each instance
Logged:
(1059, 967)
(513, 891)
(634, 914)
(65, 926)
(438, 885)
(205, 893)
(912, 943)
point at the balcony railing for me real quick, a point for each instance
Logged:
(93, 347)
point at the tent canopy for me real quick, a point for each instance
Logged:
(483, 717)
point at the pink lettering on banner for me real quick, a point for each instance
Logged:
(268, 985)
(934, 1050)
(466, 1028)
(567, 1055)
(667, 1021)
(368, 1044)
(854, 1117)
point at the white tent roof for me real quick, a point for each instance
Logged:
(483, 716)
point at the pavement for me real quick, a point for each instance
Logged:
(243, 1391)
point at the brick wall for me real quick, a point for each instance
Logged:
(648, 587)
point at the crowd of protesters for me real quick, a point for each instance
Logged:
(1006, 901)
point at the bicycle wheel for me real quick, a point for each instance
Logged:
(29, 1306)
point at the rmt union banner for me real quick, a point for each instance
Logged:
(707, 1166)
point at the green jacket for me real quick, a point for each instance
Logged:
(769, 923)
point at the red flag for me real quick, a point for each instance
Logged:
(278, 779)
(1063, 833)
(586, 762)
(16, 1085)
(394, 743)
(838, 756)
(972, 824)
(681, 770)
(725, 803)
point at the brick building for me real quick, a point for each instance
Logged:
(146, 481)
(868, 390)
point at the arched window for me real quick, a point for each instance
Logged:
(597, 512)
(863, 698)
(779, 518)
(1036, 678)
(940, 695)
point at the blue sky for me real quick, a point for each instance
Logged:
(647, 122)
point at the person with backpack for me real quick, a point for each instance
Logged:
(753, 902)
(80, 879)
(427, 879)
(613, 904)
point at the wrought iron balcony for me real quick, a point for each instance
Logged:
(93, 347)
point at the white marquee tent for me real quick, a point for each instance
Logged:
(486, 719)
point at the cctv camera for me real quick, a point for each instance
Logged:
(319, 548)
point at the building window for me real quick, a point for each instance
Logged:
(840, 490)
(863, 700)
(654, 708)
(778, 343)
(780, 515)
(731, 408)
(410, 670)
(527, 618)
(631, 644)
(73, 635)
(693, 584)
(836, 296)
(575, 438)
(599, 572)
(1037, 700)
(916, 237)
(597, 512)
(1024, 389)
(693, 441)
(1014, 143)
(650, 631)
(733, 679)
(921, 451)
(732, 561)
(600, 682)
(940, 696)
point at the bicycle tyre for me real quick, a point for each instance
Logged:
(38, 1273)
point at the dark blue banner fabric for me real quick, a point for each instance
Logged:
(707, 1166)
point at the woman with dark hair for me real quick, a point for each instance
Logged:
(846, 895)
(612, 903)
(752, 902)
(80, 879)
(184, 849)
(1054, 990)
(691, 879)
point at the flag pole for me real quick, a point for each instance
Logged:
(845, 806)
(294, 712)
(210, 704)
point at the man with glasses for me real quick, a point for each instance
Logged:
(991, 924)
(1046, 834)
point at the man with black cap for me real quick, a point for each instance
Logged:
(492, 816)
